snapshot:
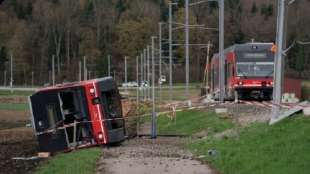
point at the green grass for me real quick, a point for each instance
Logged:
(78, 162)
(14, 107)
(177, 94)
(191, 122)
(15, 93)
(262, 149)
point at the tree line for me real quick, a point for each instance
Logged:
(33, 31)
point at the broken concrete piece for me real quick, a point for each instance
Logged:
(306, 111)
(221, 110)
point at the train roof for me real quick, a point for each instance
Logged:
(73, 84)
(247, 47)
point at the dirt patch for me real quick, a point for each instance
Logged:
(12, 116)
(13, 99)
(13, 119)
(247, 114)
(143, 155)
(17, 143)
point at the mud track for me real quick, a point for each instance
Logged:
(17, 143)
(146, 156)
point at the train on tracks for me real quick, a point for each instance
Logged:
(249, 70)
(77, 114)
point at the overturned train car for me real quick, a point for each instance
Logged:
(78, 114)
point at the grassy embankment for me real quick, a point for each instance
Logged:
(256, 149)
(178, 94)
(14, 106)
(81, 161)
(191, 122)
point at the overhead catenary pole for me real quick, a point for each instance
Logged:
(207, 68)
(126, 73)
(221, 51)
(137, 78)
(277, 90)
(80, 71)
(170, 51)
(109, 65)
(142, 75)
(53, 70)
(148, 72)
(32, 79)
(160, 59)
(145, 73)
(12, 76)
(187, 48)
(153, 91)
(4, 78)
(85, 68)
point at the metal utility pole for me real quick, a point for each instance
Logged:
(160, 57)
(85, 68)
(187, 47)
(126, 72)
(221, 51)
(207, 64)
(12, 80)
(53, 70)
(277, 90)
(32, 79)
(80, 71)
(170, 51)
(145, 72)
(148, 72)
(141, 78)
(137, 78)
(153, 91)
(109, 65)
(4, 78)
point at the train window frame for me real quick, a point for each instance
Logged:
(51, 112)
(254, 64)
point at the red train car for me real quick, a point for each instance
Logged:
(249, 70)
(77, 114)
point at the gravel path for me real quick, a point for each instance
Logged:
(146, 156)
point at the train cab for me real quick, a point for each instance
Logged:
(77, 114)
(249, 70)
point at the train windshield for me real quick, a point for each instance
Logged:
(255, 69)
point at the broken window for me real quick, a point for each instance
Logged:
(51, 116)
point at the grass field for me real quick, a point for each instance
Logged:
(261, 149)
(14, 107)
(78, 162)
(191, 122)
(15, 93)
(177, 94)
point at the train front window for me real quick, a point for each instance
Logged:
(111, 103)
(255, 69)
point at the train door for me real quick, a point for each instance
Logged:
(75, 116)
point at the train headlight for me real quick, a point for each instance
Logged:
(100, 136)
(240, 83)
(92, 91)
